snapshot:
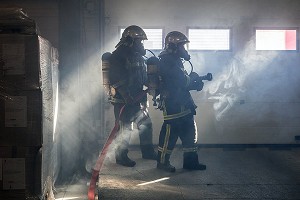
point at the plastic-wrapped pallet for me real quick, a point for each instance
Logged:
(26, 85)
(28, 111)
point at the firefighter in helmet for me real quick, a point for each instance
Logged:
(177, 105)
(127, 77)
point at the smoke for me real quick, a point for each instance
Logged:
(79, 120)
(81, 132)
(229, 85)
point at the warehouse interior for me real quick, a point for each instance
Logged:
(56, 117)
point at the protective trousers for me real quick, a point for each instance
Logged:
(130, 116)
(183, 128)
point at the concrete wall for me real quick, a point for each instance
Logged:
(254, 97)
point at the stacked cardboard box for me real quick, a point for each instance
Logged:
(28, 88)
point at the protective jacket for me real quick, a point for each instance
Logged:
(176, 99)
(127, 74)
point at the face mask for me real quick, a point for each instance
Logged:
(183, 53)
(138, 47)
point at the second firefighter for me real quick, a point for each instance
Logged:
(177, 105)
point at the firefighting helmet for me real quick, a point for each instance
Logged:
(135, 32)
(132, 32)
(174, 38)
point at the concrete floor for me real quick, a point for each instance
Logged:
(254, 173)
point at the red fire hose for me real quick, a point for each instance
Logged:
(99, 163)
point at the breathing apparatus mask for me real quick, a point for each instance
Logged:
(138, 47)
(174, 43)
(182, 53)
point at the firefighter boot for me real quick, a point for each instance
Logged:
(190, 161)
(148, 152)
(122, 158)
(164, 164)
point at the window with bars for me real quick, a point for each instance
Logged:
(279, 39)
(209, 39)
(155, 38)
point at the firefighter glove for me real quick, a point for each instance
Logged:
(193, 76)
(196, 85)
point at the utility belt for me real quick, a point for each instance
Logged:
(177, 115)
(175, 111)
